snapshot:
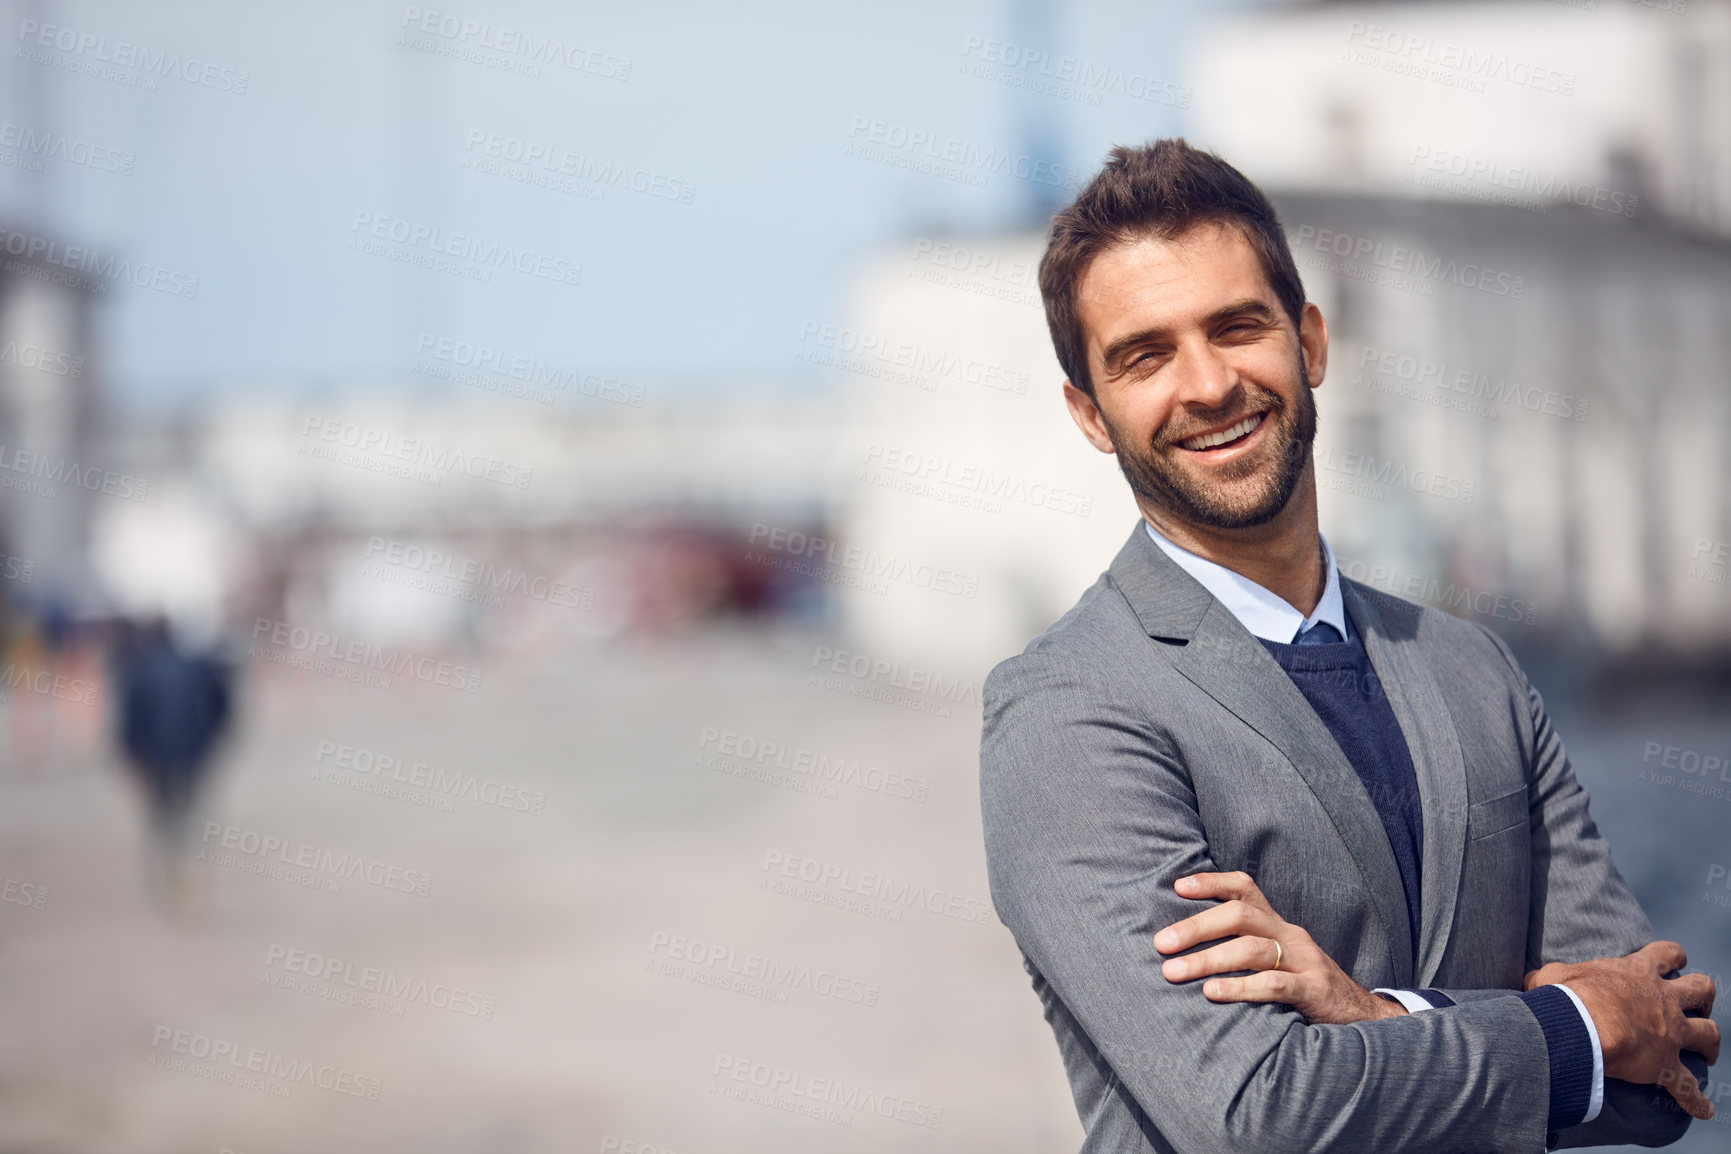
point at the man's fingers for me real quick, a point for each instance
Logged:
(1267, 986)
(1244, 953)
(1234, 885)
(1695, 992)
(1699, 1034)
(1667, 956)
(1233, 917)
(1682, 1086)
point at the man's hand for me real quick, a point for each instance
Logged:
(1638, 1013)
(1307, 980)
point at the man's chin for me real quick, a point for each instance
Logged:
(1243, 506)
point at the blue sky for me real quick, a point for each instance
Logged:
(748, 110)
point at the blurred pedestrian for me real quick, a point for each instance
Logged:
(173, 708)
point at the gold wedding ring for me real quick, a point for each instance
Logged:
(1279, 954)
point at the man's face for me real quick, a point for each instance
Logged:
(1200, 380)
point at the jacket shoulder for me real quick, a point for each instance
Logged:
(1100, 624)
(1438, 632)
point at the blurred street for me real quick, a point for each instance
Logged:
(553, 915)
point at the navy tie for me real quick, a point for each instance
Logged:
(1322, 633)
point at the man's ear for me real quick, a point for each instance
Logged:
(1086, 414)
(1313, 340)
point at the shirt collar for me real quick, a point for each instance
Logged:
(1263, 613)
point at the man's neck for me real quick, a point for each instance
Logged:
(1283, 555)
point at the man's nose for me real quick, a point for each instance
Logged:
(1205, 378)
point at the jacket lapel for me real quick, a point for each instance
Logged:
(1226, 662)
(1390, 637)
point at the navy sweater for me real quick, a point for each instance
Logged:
(1340, 684)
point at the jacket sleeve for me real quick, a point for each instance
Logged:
(1582, 909)
(1089, 818)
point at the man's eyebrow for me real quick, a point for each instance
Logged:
(1248, 307)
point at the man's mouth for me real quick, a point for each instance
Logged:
(1224, 438)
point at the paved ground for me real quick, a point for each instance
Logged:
(571, 1021)
(563, 984)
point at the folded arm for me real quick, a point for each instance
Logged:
(1582, 909)
(1089, 820)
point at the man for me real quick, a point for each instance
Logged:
(174, 708)
(1419, 940)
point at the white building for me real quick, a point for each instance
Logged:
(1508, 214)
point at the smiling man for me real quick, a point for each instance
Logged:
(1295, 865)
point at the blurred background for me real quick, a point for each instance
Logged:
(505, 513)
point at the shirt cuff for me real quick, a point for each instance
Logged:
(1569, 1046)
(1411, 999)
(1598, 1098)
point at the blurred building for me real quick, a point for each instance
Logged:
(1545, 102)
(1525, 420)
(51, 462)
(437, 518)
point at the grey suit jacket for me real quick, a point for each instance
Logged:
(1147, 735)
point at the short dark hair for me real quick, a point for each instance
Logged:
(1163, 189)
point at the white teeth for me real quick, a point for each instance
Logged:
(1225, 435)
